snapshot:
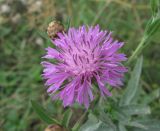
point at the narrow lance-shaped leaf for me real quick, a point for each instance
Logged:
(150, 124)
(152, 27)
(43, 114)
(154, 23)
(79, 122)
(68, 23)
(121, 127)
(94, 124)
(155, 6)
(136, 124)
(135, 109)
(148, 98)
(106, 119)
(67, 117)
(133, 84)
(43, 34)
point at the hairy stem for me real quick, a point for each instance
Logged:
(80, 121)
(137, 51)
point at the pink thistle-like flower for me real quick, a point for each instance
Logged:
(83, 56)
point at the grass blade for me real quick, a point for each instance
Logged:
(42, 113)
(67, 116)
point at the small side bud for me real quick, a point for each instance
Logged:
(55, 128)
(54, 27)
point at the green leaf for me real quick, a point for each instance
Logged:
(155, 6)
(43, 34)
(137, 95)
(133, 84)
(121, 127)
(152, 27)
(136, 124)
(106, 119)
(122, 116)
(68, 23)
(79, 122)
(151, 125)
(93, 124)
(67, 116)
(4, 31)
(43, 114)
(148, 98)
(156, 37)
(135, 109)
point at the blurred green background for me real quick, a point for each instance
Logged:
(23, 37)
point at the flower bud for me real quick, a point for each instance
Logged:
(54, 27)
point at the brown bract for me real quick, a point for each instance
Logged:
(54, 27)
(55, 128)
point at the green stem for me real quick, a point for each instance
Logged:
(80, 121)
(82, 118)
(137, 51)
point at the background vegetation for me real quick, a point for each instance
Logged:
(23, 39)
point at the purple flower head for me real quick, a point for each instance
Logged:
(83, 56)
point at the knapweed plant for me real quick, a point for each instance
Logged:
(81, 70)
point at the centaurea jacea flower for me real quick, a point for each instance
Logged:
(83, 55)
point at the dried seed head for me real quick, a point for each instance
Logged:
(54, 27)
